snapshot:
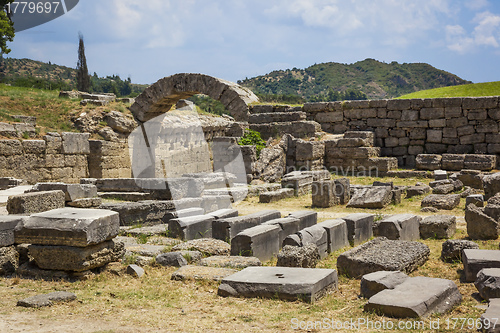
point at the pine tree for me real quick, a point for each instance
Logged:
(82, 72)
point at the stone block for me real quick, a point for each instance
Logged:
(226, 229)
(441, 201)
(480, 162)
(306, 256)
(49, 299)
(300, 184)
(7, 225)
(400, 227)
(307, 218)
(416, 297)
(376, 197)
(288, 283)
(75, 143)
(223, 213)
(475, 199)
(336, 233)
(35, 202)
(261, 241)
(201, 273)
(316, 235)
(323, 194)
(412, 191)
(405, 256)
(273, 196)
(451, 250)
(375, 282)
(309, 150)
(174, 259)
(453, 161)
(428, 162)
(288, 225)
(359, 227)
(438, 226)
(207, 246)
(9, 260)
(475, 260)
(440, 175)
(480, 225)
(85, 203)
(489, 319)
(72, 191)
(474, 179)
(78, 259)
(237, 262)
(188, 228)
(68, 226)
(488, 283)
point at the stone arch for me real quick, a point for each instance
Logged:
(162, 95)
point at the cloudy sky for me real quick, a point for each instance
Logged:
(234, 39)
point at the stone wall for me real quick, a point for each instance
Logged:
(58, 157)
(109, 159)
(406, 128)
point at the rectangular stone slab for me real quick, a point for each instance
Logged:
(307, 218)
(289, 283)
(288, 225)
(224, 213)
(35, 202)
(226, 229)
(71, 191)
(400, 226)
(7, 225)
(416, 297)
(382, 254)
(359, 227)
(193, 227)
(68, 226)
(70, 258)
(336, 233)
(261, 241)
(474, 260)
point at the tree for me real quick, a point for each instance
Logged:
(82, 72)
(6, 27)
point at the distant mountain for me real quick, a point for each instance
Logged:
(38, 74)
(373, 78)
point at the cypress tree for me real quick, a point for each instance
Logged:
(82, 72)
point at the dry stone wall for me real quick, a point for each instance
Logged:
(406, 128)
(56, 158)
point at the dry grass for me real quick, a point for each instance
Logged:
(154, 303)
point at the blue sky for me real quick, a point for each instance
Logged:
(234, 39)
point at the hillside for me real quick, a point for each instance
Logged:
(466, 90)
(36, 74)
(374, 78)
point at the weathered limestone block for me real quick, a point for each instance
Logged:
(416, 297)
(315, 234)
(412, 191)
(375, 282)
(72, 191)
(68, 226)
(7, 225)
(452, 249)
(237, 262)
(399, 226)
(491, 184)
(359, 227)
(488, 283)
(300, 184)
(428, 162)
(9, 260)
(49, 299)
(323, 194)
(441, 201)
(288, 226)
(307, 218)
(70, 258)
(475, 260)
(480, 225)
(306, 256)
(343, 190)
(371, 197)
(35, 202)
(261, 241)
(75, 143)
(226, 229)
(438, 226)
(273, 196)
(480, 162)
(289, 283)
(188, 228)
(381, 254)
(336, 232)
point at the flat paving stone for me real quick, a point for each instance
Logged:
(39, 301)
(475, 260)
(237, 262)
(382, 254)
(490, 319)
(289, 283)
(375, 282)
(68, 226)
(191, 272)
(416, 297)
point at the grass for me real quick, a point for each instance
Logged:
(465, 90)
(52, 113)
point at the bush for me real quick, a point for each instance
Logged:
(252, 138)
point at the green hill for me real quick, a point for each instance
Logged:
(37, 74)
(373, 78)
(466, 90)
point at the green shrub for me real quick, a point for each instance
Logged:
(251, 137)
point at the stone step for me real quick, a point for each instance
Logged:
(297, 129)
(255, 109)
(274, 117)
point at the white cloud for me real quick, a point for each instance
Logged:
(476, 4)
(486, 33)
